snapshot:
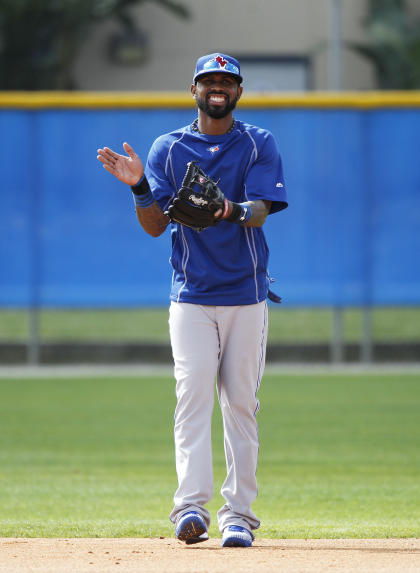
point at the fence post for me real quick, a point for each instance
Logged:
(336, 344)
(33, 343)
(33, 337)
(366, 347)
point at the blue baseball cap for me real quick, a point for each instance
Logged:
(217, 63)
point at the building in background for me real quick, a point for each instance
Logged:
(282, 45)
(151, 45)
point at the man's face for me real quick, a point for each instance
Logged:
(216, 94)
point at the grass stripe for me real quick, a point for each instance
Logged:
(339, 456)
(151, 325)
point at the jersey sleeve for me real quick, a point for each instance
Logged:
(162, 188)
(264, 179)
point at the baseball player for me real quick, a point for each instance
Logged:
(220, 283)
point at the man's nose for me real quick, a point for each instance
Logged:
(217, 84)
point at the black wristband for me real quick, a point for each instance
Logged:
(241, 213)
(236, 212)
(142, 187)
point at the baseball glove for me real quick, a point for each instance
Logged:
(197, 201)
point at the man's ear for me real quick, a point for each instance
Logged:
(240, 90)
(193, 89)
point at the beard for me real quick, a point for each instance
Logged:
(216, 112)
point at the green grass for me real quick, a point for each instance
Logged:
(339, 457)
(151, 324)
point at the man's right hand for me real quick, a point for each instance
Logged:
(127, 168)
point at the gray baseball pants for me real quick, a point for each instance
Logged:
(225, 344)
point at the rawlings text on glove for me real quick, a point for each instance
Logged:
(197, 201)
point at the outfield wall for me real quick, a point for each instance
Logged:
(69, 235)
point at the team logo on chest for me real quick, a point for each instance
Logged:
(213, 149)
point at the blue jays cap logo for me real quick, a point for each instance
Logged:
(217, 63)
(223, 64)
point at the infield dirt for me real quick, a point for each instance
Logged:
(168, 555)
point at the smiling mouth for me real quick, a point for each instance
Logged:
(216, 99)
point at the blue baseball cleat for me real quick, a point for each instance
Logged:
(191, 528)
(236, 536)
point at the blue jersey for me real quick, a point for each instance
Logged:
(225, 264)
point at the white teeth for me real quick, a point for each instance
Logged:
(217, 99)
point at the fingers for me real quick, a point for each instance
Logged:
(106, 164)
(129, 150)
(127, 168)
(110, 157)
(106, 159)
(106, 151)
(110, 169)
